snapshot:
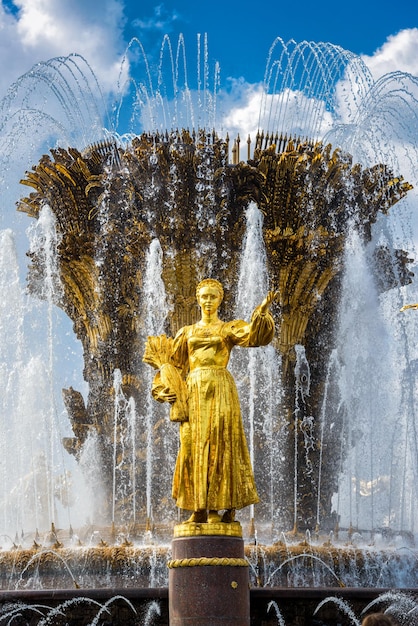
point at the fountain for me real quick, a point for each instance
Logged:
(125, 227)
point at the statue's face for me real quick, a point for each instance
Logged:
(209, 299)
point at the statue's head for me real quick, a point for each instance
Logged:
(210, 282)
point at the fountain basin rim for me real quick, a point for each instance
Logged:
(106, 593)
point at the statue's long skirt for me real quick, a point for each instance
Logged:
(213, 468)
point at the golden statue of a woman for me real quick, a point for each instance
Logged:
(213, 470)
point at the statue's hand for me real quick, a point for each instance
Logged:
(161, 392)
(265, 305)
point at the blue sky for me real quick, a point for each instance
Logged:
(239, 35)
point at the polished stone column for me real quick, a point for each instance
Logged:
(208, 576)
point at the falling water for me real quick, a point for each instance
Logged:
(273, 605)
(343, 606)
(368, 380)
(152, 610)
(38, 476)
(332, 366)
(155, 314)
(257, 371)
(11, 369)
(44, 241)
(303, 84)
(170, 101)
(56, 103)
(302, 378)
(124, 450)
(75, 108)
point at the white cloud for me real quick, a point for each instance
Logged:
(161, 20)
(240, 109)
(247, 109)
(398, 53)
(43, 29)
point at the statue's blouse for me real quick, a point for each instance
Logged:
(210, 345)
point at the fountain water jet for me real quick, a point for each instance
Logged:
(115, 198)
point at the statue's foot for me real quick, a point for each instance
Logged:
(228, 516)
(198, 517)
(214, 517)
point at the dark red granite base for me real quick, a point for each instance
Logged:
(208, 595)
